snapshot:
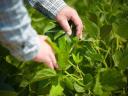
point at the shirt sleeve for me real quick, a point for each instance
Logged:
(16, 32)
(49, 8)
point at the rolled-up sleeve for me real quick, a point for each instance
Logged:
(16, 32)
(50, 8)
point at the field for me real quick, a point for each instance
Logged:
(97, 65)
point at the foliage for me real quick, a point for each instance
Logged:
(97, 65)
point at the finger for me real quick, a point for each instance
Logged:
(78, 23)
(49, 64)
(65, 25)
(53, 59)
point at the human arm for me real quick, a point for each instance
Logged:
(16, 32)
(18, 36)
(61, 12)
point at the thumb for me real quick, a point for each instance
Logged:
(65, 25)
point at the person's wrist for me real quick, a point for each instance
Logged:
(37, 56)
(58, 6)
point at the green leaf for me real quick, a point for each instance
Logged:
(63, 60)
(24, 83)
(121, 29)
(105, 32)
(56, 90)
(41, 87)
(63, 54)
(77, 58)
(121, 59)
(88, 81)
(124, 62)
(44, 74)
(111, 79)
(98, 87)
(68, 82)
(96, 57)
(79, 88)
(7, 93)
(59, 35)
(92, 29)
(117, 57)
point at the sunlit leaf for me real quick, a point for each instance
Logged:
(56, 90)
(43, 74)
(79, 88)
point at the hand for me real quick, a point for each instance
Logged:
(67, 14)
(46, 54)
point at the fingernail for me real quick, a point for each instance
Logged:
(69, 32)
(81, 36)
